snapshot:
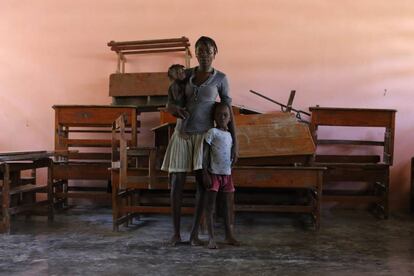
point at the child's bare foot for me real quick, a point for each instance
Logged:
(212, 244)
(174, 240)
(195, 241)
(232, 241)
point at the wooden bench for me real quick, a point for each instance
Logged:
(350, 169)
(19, 192)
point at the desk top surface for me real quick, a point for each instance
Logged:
(24, 155)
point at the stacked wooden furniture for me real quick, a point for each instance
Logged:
(146, 90)
(275, 150)
(20, 192)
(274, 154)
(133, 180)
(347, 169)
(83, 132)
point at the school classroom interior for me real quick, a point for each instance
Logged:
(322, 101)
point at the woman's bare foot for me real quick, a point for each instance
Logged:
(232, 241)
(212, 244)
(195, 241)
(175, 240)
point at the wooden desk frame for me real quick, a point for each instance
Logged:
(18, 194)
(356, 168)
(92, 160)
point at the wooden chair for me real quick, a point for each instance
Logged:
(19, 190)
(346, 169)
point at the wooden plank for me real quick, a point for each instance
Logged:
(29, 156)
(139, 84)
(153, 209)
(88, 195)
(347, 158)
(274, 208)
(273, 160)
(182, 39)
(14, 153)
(278, 177)
(90, 156)
(352, 199)
(349, 142)
(92, 116)
(274, 140)
(149, 46)
(94, 171)
(352, 117)
(28, 188)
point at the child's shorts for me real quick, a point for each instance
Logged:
(222, 183)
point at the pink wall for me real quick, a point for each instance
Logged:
(334, 53)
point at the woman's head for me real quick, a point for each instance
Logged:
(205, 50)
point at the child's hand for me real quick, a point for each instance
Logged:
(207, 180)
(234, 155)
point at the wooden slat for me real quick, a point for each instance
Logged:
(276, 177)
(347, 158)
(352, 199)
(90, 156)
(18, 156)
(154, 51)
(274, 208)
(27, 207)
(149, 46)
(154, 209)
(27, 188)
(89, 195)
(182, 39)
(87, 142)
(139, 84)
(273, 160)
(349, 142)
(82, 171)
(352, 117)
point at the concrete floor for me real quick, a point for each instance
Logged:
(81, 242)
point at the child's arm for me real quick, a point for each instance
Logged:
(206, 164)
(172, 104)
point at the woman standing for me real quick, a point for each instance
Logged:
(203, 84)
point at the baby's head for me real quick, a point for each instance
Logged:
(176, 72)
(222, 115)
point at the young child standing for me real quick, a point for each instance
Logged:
(217, 173)
(176, 92)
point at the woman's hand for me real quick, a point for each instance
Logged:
(182, 113)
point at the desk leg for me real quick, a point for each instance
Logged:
(6, 199)
(50, 196)
(318, 199)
